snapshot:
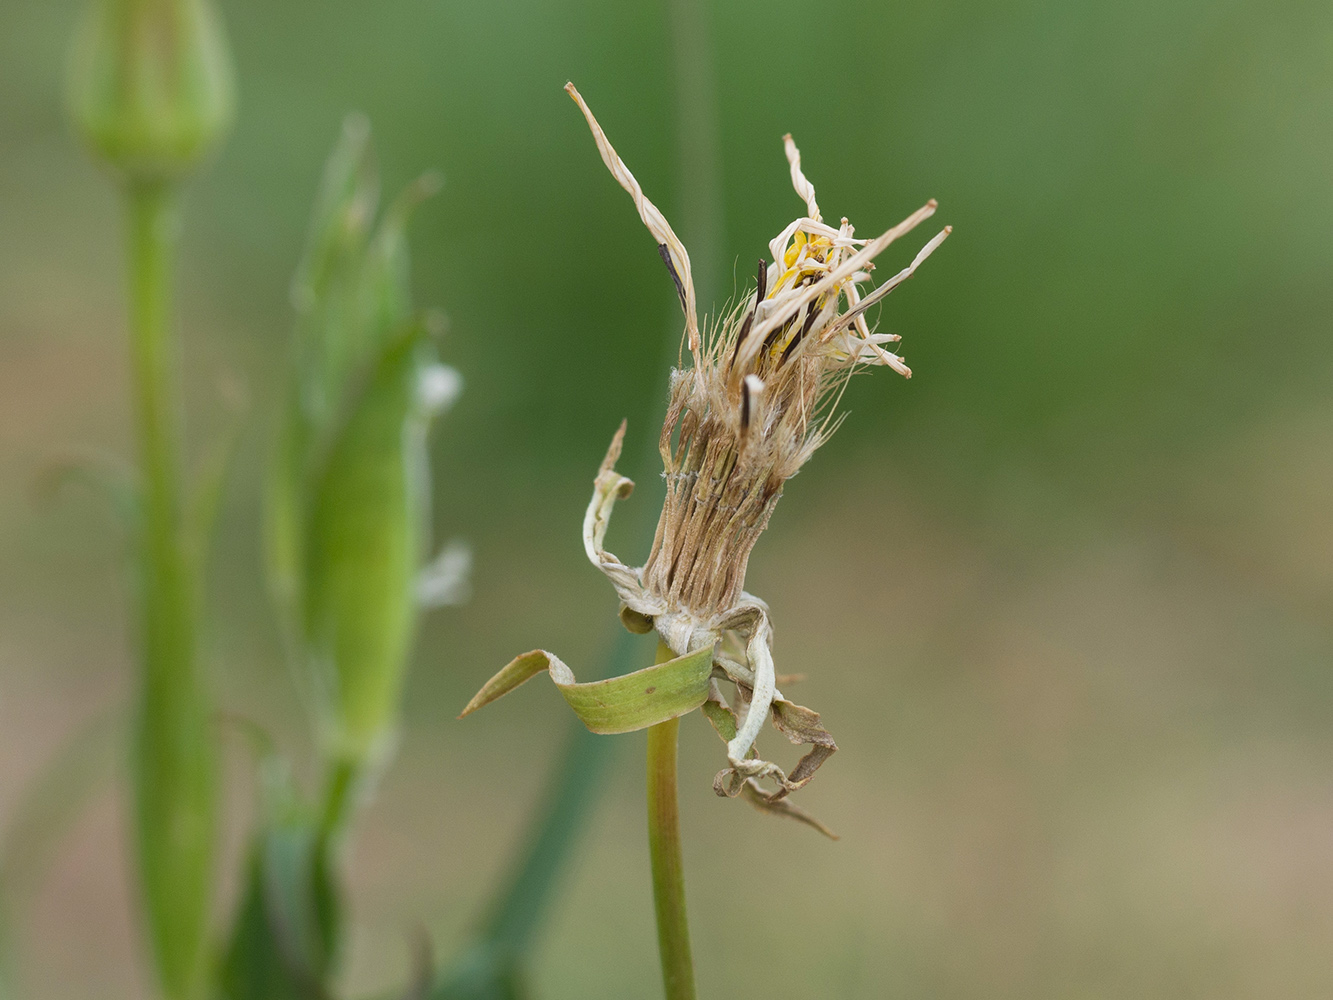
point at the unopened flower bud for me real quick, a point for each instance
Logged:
(150, 85)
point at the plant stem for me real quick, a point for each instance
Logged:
(174, 766)
(153, 227)
(673, 929)
(337, 799)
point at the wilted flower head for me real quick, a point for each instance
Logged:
(757, 400)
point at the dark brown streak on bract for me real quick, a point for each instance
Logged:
(805, 328)
(761, 288)
(745, 407)
(666, 259)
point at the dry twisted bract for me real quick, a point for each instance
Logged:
(758, 400)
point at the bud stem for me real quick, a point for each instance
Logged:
(673, 930)
(174, 766)
(153, 227)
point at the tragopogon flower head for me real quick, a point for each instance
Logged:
(758, 400)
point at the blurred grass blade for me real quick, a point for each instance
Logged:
(492, 967)
(489, 971)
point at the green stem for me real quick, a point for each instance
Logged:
(673, 929)
(175, 770)
(338, 786)
(336, 807)
(153, 228)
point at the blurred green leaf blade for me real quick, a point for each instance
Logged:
(284, 942)
(364, 547)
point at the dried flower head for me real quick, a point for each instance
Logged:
(756, 402)
(759, 399)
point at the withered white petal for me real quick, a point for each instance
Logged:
(798, 180)
(438, 386)
(444, 581)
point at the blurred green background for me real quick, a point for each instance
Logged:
(1063, 597)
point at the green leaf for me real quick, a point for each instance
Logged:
(618, 704)
(385, 292)
(284, 941)
(483, 973)
(326, 289)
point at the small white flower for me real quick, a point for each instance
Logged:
(438, 386)
(446, 579)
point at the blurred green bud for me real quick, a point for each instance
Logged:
(347, 519)
(150, 85)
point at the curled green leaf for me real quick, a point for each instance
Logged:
(618, 704)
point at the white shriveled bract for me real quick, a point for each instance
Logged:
(757, 401)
